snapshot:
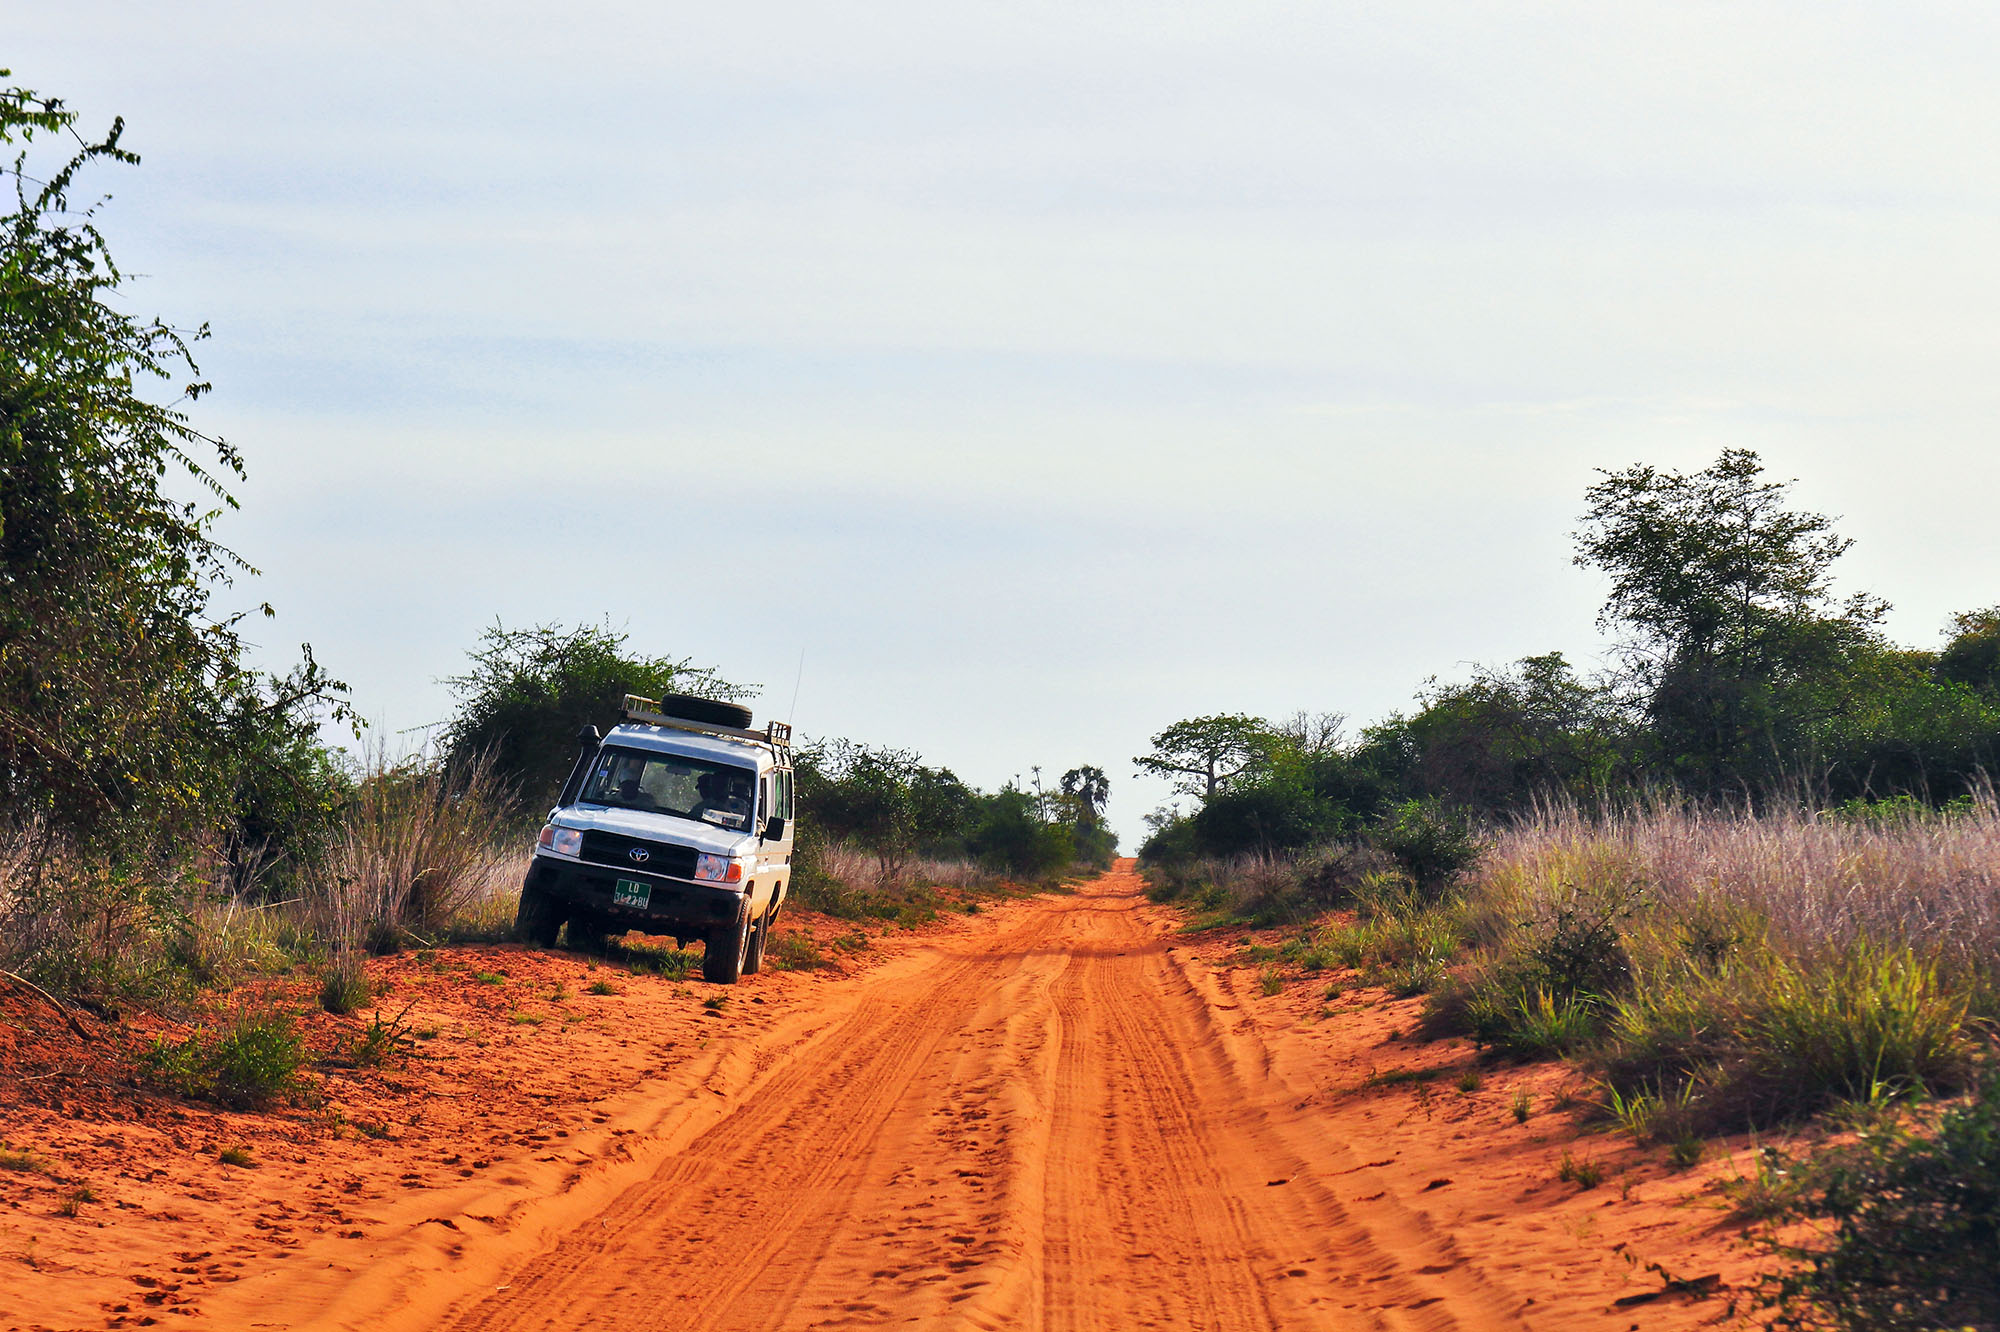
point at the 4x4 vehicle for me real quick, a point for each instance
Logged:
(678, 822)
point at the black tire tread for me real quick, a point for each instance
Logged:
(539, 916)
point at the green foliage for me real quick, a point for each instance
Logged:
(381, 1040)
(1583, 1174)
(1876, 1019)
(1912, 1229)
(793, 951)
(1203, 755)
(1012, 836)
(1432, 845)
(345, 987)
(248, 1065)
(1723, 594)
(1972, 657)
(126, 714)
(530, 691)
(886, 801)
(1506, 739)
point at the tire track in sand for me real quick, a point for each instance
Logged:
(1040, 1126)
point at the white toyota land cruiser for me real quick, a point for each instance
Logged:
(678, 822)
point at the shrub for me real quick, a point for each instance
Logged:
(379, 1040)
(1531, 1023)
(674, 964)
(250, 1064)
(345, 987)
(1432, 846)
(1873, 1021)
(1914, 1224)
(793, 951)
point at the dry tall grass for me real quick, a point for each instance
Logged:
(1727, 969)
(424, 843)
(862, 870)
(1810, 882)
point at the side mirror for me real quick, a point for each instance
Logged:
(774, 829)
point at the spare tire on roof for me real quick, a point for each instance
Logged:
(710, 710)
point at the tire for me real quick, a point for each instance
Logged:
(587, 936)
(538, 917)
(753, 957)
(711, 710)
(723, 955)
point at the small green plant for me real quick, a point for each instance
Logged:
(560, 993)
(715, 1003)
(345, 987)
(27, 1161)
(674, 964)
(850, 943)
(1469, 1081)
(490, 977)
(1583, 1174)
(794, 951)
(1332, 992)
(1398, 1077)
(1908, 1219)
(1523, 1105)
(251, 1063)
(1686, 1152)
(73, 1201)
(1271, 981)
(1775, 1188)
(368, 1128)
(1537, 1024)
(379, 1040)
(526, 1019)
(239, 1157)
(602, 987)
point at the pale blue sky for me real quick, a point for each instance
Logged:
(1048, 373)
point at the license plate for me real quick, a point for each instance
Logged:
(628, 893)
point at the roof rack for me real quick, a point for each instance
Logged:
(777, 734)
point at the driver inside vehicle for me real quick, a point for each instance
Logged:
(723, 799)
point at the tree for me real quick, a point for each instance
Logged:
(1205, 754)
(530, 691)
(1085, 790)
(126, 710)
(1722, 596)
(1504, 739)
(1972, 657)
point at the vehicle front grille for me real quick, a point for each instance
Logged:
(605, 848)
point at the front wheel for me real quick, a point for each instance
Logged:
(587, 936)
(727, 949)
(538, 917)
(753, 957)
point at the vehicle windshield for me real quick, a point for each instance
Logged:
(692, 788)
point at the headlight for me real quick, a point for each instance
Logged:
(562, 841)
(717, 869)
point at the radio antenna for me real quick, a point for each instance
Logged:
(797, 680)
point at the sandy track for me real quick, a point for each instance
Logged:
(1043, 1125)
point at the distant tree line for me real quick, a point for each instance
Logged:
(1736, 677)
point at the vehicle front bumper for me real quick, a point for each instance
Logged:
(695, 908)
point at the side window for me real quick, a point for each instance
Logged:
(787, 778)
(765, 808)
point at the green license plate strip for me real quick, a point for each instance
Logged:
(632, 894)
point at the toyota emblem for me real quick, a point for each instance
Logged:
(639, 855)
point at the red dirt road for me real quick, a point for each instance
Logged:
(1059, 1116)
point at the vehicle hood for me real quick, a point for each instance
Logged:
(656, 828)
